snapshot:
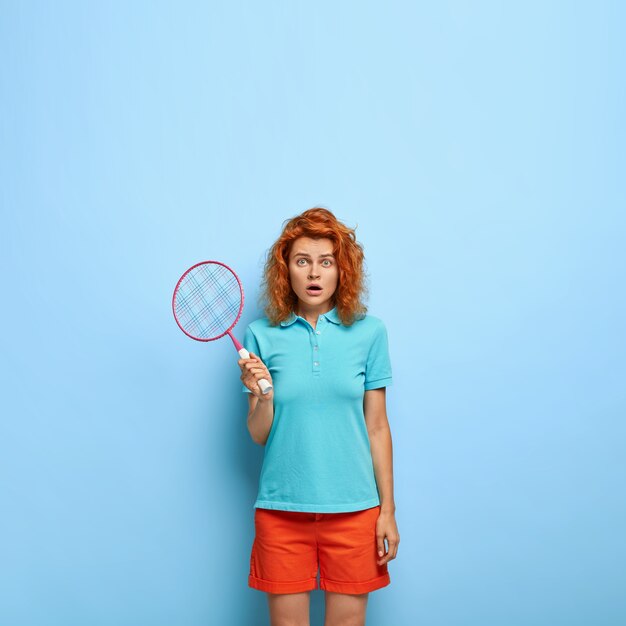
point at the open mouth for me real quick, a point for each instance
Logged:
(313, 290)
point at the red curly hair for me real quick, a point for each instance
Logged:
(278, 299)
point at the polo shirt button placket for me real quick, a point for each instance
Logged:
(316, 363)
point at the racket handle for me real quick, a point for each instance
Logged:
(263, 384)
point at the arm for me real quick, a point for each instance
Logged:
(380, 445)
(260, 406)
(260, 418)
(374, 408)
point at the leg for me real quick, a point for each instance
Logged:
(347, 553)
(345, 609)
(289, 609)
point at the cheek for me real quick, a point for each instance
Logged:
(296, 274)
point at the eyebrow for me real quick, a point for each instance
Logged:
(308, 255)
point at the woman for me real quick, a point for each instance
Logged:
(326, 488)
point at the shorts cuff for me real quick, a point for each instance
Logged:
(282, 587)
(347, 587)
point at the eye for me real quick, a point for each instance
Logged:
(327, 261)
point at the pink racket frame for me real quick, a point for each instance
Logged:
(238, 345)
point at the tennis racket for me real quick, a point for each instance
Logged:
(207, 303)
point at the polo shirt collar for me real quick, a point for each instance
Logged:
(331, 316)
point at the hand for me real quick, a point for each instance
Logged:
(386, 527)
(253, 370)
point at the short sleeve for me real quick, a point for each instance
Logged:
(251, 345)
(378, 367)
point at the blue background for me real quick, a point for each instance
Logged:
(479, 150)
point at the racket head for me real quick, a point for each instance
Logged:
(207, 300)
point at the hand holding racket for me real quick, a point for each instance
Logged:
(253, 370)
(207, 303)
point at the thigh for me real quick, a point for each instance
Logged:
(284, 552)
(348, 553)
(289, 608)
(345, 608)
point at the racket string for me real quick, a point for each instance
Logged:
(208, 300)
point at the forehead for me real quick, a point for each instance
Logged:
(312, 247)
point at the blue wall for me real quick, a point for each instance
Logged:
(478, 148)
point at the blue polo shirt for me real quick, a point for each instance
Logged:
(317, 456)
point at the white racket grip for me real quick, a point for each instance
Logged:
(263, 384)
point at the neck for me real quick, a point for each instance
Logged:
(311, 313)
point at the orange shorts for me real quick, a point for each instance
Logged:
(290, 545)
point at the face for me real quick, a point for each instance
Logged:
(312, 261)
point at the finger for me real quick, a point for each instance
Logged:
(392, 551)
(255, 363)
(256, 367)
(257, 375)
(380, 542)
(385, 558)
